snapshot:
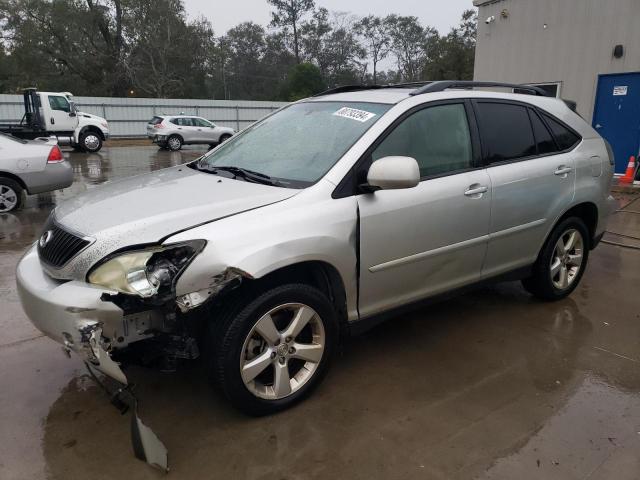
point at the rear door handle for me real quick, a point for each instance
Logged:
(563, 171)
(476, 190)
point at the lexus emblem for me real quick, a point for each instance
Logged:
(45, 238)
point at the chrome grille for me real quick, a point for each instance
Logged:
(57, 246)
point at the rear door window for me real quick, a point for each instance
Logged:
(565, 138)
(505, 130)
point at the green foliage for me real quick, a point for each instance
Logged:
(150, 48)
(288, 14)
(452, 56)
(304, 80)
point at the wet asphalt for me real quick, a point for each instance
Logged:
(490, 385)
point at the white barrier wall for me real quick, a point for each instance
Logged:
(128, 117)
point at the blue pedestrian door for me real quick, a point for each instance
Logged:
(617, 115)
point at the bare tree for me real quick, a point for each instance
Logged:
(289, 14)
(408, 38)
(373, 31)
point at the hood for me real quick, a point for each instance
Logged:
(89, 116)
(147, 208)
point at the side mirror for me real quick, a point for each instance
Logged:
(390, 173)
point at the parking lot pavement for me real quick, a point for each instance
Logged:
(489, 385)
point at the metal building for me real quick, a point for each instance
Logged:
(582, 50)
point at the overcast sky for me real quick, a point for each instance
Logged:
(441, 14)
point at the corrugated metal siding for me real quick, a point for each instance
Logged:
(129, 116)
(574, 49)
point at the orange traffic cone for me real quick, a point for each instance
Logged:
(631, 171)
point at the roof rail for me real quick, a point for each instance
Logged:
(440, 86)
(347, 88)
(357, 88)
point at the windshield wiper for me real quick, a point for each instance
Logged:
(245, 174)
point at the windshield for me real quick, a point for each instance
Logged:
(299, 144)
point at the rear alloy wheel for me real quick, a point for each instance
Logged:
(10, 195)
(174, 142)
(561, 262)
(566, 261)
(91, 142)
(271, 353)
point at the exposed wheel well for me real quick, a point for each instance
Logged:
(94, 129)
(320, 275)
(15, 178)
(588, 213)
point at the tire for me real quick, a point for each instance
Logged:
(10, 195)
(174, 143)
(224, 138)
(91, 142)
(568, 267)
(237, 345)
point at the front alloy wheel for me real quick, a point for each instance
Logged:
(268, 349)
(282, 351)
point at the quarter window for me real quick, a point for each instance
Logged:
(544, 140)
(437, 137)
(565, 138)
(506, 131)
(59, 103)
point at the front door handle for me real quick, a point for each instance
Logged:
(563, 171)
(476, 190)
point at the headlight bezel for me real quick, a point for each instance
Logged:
(148, 253)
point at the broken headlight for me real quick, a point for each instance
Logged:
(145, 272)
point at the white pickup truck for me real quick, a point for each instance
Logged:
(55, 114)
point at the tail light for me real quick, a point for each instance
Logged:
(158, 125)
(55, 155)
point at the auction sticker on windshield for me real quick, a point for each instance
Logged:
(355, 114)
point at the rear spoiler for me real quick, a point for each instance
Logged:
(571, 104)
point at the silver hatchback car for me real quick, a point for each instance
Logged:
(171, 132)
(316, 222)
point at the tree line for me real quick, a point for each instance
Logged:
(150, 48)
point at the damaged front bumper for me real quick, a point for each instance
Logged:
(74, 314)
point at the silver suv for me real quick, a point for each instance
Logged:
(314, 223)
(171, 132)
